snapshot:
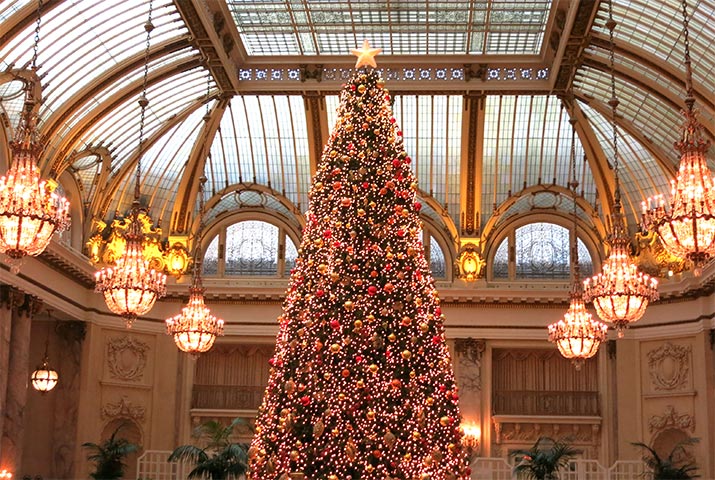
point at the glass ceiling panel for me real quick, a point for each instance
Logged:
(317, 27)
(527, 142)
(78, 44)
(237, 200)
(263, 140)
(639, 173)
(12, 100)
(656, 27)
(432, 133)
(647, 114)
(9, 7)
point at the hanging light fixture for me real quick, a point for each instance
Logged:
(45, 378)
(620, 293)
(687, 226)
(195, 329)
(30, 211)
(131, 287)
(578, 335)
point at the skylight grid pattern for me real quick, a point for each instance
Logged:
(656, 27)
(78, 44)
(645, 113)
(120, 128)
(527, 142)
(317, 27)
(100, 99)
(264, 140)
(639, 173)
(12, 101)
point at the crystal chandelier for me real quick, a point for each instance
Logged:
(45, 378)
(687, 226)
(195, 329)
(131, 287)
(30, 212)
(620, 293)
(577, 335)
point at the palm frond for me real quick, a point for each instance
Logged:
(189, 453)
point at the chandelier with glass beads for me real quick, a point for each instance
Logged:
(30, 211)
(686, 225)
(578, 335)
(620, 293)
(195, 329)
(131, 287)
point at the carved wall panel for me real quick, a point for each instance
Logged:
(523, 433)
(126, 358)
(123, 408)
(469, 363)
(671, 419)
(669, 367)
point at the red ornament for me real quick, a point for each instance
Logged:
(400, 233)
(396, 163)
(372, 290)
(392, 120)
(319, 292)
(418, 206)
(335, 324)
(327, 234)
(436, 339)
(365, 185)
(358, 358)
(408, 159)
(305, 400)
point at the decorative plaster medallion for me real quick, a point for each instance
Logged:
(669, 366)
(469, 355)
(123, 409)
(671, 419)
(126, 358)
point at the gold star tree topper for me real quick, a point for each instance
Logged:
(366, 55)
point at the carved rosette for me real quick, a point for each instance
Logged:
(469, 354)
(671, 419)
(123, 409)
(126, 358)
(669, 366)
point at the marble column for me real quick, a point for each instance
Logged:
(5, 323)
(17, 382)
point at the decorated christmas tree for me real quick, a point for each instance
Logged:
(361, 384)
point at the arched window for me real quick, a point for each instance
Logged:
(250, 248)
(538, 251)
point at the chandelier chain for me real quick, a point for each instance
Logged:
(143, 101)
(613, 102)
(574, 187)
(37, 35)
(198, 260)
(689, 98)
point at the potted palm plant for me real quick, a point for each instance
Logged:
(220, 459)
(672, 467)
(544, 460)
(108, 456)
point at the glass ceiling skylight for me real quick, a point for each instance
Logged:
(317, 27)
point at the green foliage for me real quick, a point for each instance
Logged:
(108, 456)
(544, 460)
(220, 458)
(669, 468)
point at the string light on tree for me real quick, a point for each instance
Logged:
(361, 383)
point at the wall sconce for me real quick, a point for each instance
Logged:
(107, 244)
(471, 438)
(470, 262)
(4, 474)
(177, 257)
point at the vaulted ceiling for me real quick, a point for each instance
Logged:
(244, 92)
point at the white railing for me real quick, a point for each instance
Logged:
(152, 465)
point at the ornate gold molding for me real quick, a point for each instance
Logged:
(671, 419)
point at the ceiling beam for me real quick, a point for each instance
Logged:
(189, 187)
(74, 137)
(207, 23)
(575, 43)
